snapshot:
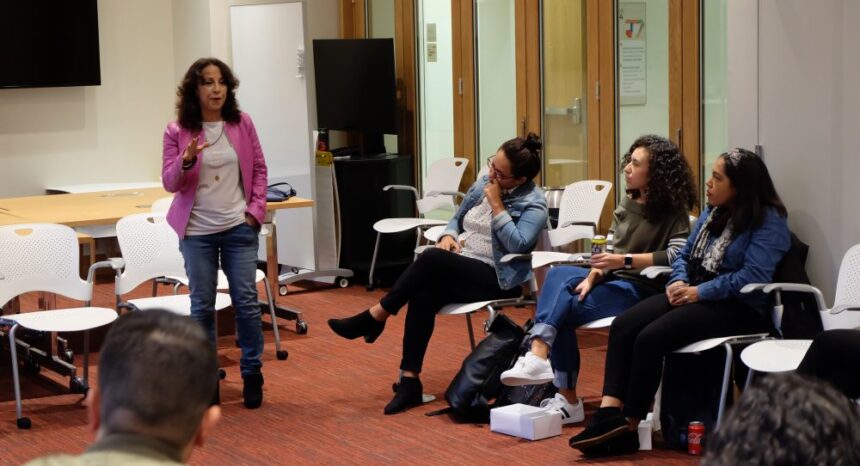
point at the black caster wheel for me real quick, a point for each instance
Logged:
(301, 327)
(23, 423)
(370, 287)
(282, 355)
(69, 355)
(222, 374)
(282, 290)
(342, 282)
(76, 385)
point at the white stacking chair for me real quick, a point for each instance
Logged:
(150, 249)
(785, 355)
(44, 258)
(439, 190)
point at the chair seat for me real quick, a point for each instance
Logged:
(223, 284)
(432, 233)
(64, 320)
(463, 308)
(544, 258)
(396, 225)
(599, 323)
(177, 304)
(708, 343)
(775, 355)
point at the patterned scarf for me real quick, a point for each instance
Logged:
(704, 263)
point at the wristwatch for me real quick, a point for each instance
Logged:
(628, 261)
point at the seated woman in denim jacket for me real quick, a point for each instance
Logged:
(650, 227)
(502, 213)
(739, 239)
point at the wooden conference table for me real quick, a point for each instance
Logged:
(105, 208)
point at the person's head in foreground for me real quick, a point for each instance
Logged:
(157, 379)
(788, 419)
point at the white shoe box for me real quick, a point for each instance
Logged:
(524, 421)
(645, 427)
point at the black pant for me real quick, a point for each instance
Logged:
(642, 335)
(835, 357)
(436, 278)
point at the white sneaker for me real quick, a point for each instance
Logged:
(570, 414)
(528, 370)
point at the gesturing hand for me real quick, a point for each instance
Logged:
(192, 150)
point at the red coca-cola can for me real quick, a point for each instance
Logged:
(695, 434)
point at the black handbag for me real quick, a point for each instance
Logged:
(477, 382)
(279, 192)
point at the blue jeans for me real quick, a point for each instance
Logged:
(237, 250)
(560, 312)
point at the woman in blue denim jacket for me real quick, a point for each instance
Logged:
(502, 213)
(739, 239)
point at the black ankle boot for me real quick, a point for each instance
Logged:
(359, 325)
(252, 391)
(408, 394)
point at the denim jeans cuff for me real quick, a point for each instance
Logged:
(545, 332)
(565, 380)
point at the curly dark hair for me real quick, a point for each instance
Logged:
(188, 111)
(524, 155)
(787, 419)
(670, 180)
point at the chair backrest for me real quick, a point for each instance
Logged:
(442, 175)
(581, 201)
(847, 292)
(150, 249)
(40, 257)
(161, 206)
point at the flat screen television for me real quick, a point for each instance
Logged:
(45, 43)
(355, 88)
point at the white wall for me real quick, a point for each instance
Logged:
(809, 115)
(107, 133)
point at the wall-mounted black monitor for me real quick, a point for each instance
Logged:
(355, 88)
(48, 43)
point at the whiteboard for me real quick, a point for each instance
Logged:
(268, 50)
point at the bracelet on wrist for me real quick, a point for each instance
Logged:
(186, 164)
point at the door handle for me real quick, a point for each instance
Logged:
(574, 111)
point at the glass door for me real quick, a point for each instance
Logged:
(564, 92)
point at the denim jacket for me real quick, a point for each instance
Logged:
(514, 231)
(751, 257)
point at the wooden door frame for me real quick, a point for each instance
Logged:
(685, 109)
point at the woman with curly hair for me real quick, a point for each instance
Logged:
(214, 164)
(739, 239)
(650, 226)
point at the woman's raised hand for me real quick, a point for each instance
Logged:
(192, 150)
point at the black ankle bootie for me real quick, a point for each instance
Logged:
(252, 392)
(408, 394)
(359, 325)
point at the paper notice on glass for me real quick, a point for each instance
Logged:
(632, 53)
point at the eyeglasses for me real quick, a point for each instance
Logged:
(495, 171)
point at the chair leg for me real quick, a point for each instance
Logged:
(23, 422)
(418, 233)
(373, 262)
(725, 388)
(471, 331)
(281, 355)
(86, 385)
(749, 378)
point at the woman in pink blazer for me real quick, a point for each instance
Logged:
(214, 164)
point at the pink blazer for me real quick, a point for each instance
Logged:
(183, 183)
